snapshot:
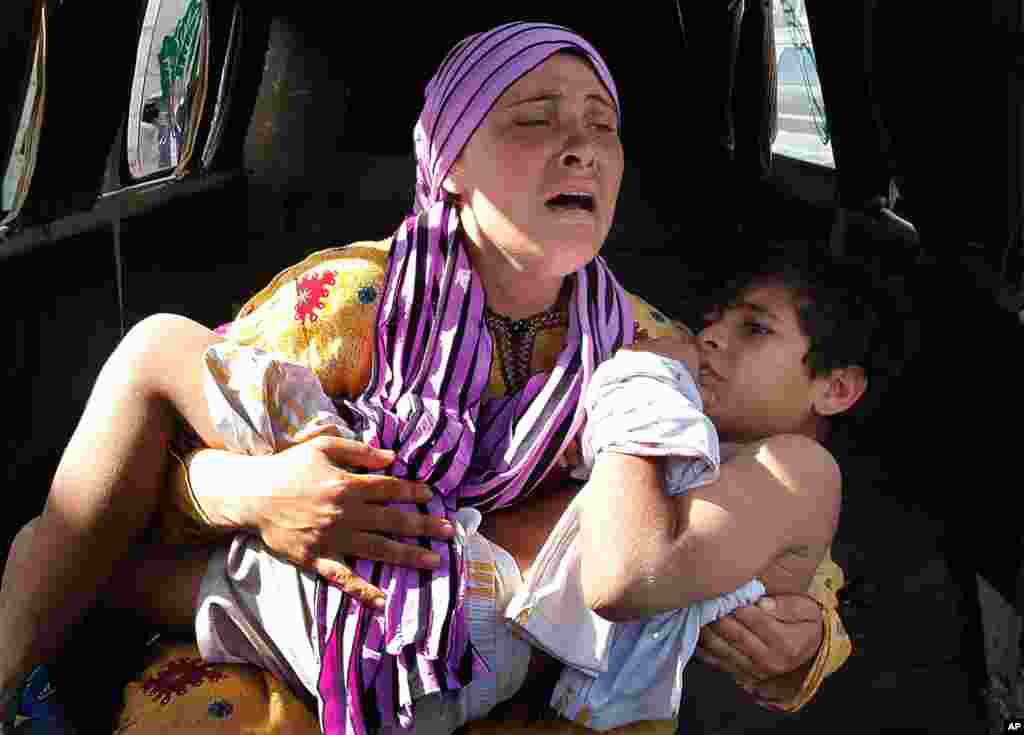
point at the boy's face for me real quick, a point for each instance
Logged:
(752, 377)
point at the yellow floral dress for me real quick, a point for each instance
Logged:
(321, 313)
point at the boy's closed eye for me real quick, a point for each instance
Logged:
(757, 328)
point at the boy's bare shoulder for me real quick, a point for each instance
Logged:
(807, 474)
(800, 464)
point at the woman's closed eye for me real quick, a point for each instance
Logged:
(533, 122)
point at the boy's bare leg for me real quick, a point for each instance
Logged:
(105, 488)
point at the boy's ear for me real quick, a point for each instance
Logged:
(840, 390)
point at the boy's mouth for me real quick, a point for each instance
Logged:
(706, 373)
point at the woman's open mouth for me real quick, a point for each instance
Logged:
(571, 201)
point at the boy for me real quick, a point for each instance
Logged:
(787, 351)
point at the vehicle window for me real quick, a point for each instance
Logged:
(796, 66)
(21, 163)
(803, 127)
(229, 71)
(167, 71)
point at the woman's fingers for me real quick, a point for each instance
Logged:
(780, 633)
(365, 500)
(398, 522)
(777, 636)
(382, 489)
(374, 547)
(321, 512)
(352, 453)
(341, 576)
(720, 651)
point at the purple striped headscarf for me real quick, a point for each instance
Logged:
(426, 400)
(470, 80)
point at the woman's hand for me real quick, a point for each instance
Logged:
(312, 511)
(778, 636)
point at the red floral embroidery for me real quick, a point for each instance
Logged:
(312, 291)
(177, 676)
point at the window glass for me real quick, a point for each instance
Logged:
(14, 186)
(19, 155)
(167, 69)
(796, 66)
(803, 128)
(229, 72)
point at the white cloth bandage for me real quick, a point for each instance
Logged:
(645, 404)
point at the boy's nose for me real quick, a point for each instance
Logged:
(710, 338)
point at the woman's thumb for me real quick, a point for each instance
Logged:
(791, 608)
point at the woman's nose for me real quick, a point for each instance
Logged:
(579, 151)
(572, 159)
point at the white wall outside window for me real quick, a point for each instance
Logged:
(801, 119)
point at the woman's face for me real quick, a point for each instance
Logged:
(539, 178)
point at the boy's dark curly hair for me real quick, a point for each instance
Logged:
(850, 314)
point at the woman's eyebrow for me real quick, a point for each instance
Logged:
(555, 95)
(538, 97)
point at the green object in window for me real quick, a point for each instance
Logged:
(179, 49)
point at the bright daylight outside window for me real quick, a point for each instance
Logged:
(166, 71)
(803, 131)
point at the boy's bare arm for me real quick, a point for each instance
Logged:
(644, 552)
